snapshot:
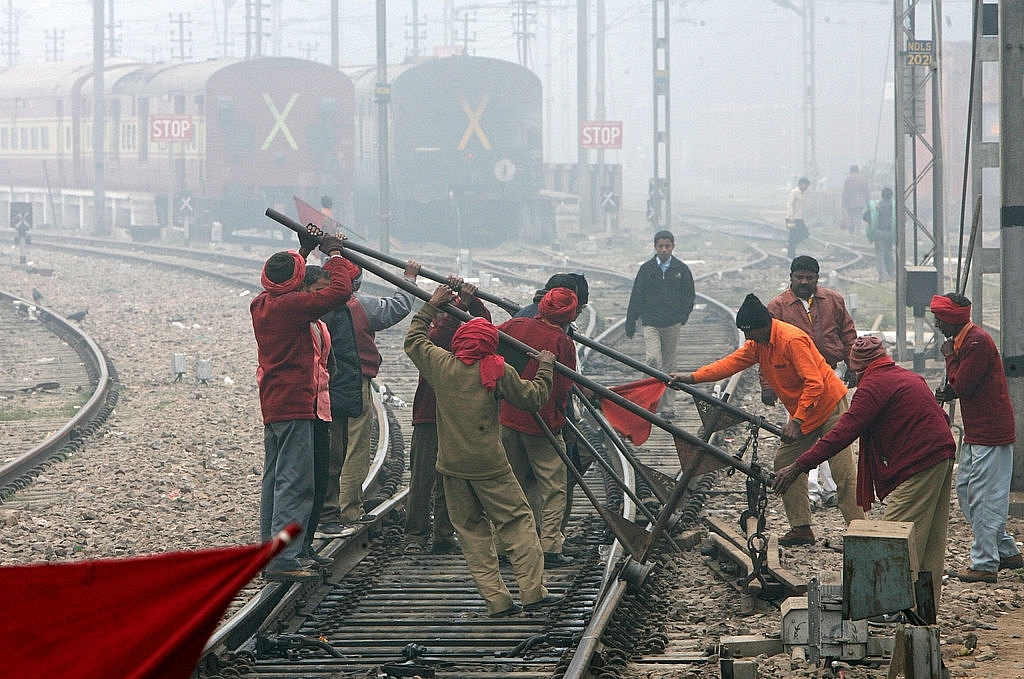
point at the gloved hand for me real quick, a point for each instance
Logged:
(850, 378)
(330, 244)
(630, 329)
(308, 242)
(768, 397)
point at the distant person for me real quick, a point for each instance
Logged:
(662, 299)
(281, 317)
(976, 376)
(855, 198)
(906, 451)
(484, 498)
(795, 225)
(427, 523)
(814, 397)
(821, 313)
(881, 230)
(576, 282)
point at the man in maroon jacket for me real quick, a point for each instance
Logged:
(281, 315)
(974, 372)
(906, 451)
(537, 465)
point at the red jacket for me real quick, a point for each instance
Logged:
(829, 324)
(901, 426)
(976, 374)
(284, 345)
(541, 334)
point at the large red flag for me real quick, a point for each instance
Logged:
(646, 394)
(140, 618)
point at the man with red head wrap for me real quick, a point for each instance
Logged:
(536, 463)
(479, 485)
(281, 317)
(974, 371)
(906, 451)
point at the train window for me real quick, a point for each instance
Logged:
(14, 138)
(200, 102)
(35, 138)
(44, 138)
(67, 138)
(4, 138)
(24, 137)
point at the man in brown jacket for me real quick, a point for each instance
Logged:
(479, 485)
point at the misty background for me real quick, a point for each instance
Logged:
(736, 70)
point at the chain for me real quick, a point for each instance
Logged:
(757, 507)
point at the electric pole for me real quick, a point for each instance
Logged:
(383, 96)
(99, 195)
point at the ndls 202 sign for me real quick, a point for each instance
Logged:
(601, 134)
(163, 128)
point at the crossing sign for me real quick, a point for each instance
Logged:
(21, 216)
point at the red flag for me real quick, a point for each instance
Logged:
(310, 215)
(141, 618)
(646, 394)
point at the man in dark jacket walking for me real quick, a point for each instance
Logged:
(662, 299)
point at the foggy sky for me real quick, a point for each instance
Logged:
(736, 70)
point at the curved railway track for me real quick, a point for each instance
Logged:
(380, 609)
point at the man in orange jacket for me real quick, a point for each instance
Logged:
(812, 394)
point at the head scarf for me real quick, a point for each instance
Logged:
(864, 351)
(558, 306)
(274, 266)
(752, 314)
(477, 340)
(948, 311)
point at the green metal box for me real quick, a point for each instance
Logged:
(879, 568)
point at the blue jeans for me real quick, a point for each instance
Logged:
(983, 489)
(286, 494)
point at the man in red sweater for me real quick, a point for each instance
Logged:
(975, 375)
(537, 465)
(906, 451)
(281, 315)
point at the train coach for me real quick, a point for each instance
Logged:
(466, 137)
(186, 143)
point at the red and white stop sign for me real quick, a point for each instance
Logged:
(601, 134)
(170, 128)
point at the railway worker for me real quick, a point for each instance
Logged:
(576, 282)
(855, 198)
(809, 389)
(281, 315)
(661, 299)
(343, 507)
(424, 483)
(975, 375)
(821, 313)
(484, 498)
(795, 225)
(906, 451)
(881, 219)
(538, 466)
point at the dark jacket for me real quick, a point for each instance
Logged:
(346, 385)
(660, 300)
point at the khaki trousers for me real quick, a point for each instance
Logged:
(474, 506)
(349, 464)
(660, 351)
(924, 500)
(844, 472)
(541, 473)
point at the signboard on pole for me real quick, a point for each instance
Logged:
(601, 134)
(170, 127)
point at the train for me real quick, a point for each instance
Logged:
(204, 147)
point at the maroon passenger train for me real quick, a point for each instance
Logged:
(222, 139)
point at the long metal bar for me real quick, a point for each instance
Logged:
(600, 389)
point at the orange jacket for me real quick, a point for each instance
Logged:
(793, 367)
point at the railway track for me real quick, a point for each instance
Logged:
(379, 608)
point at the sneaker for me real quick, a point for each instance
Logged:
(548, 600)
(311, 559)
(445, 548)
(830, 501)
(556, 560)
(797, 535)
(334, 530)
(971, 575)
(414, 548)
(366, 518)
(1015, 561)
(297, 575)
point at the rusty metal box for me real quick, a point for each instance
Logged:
(879, 568)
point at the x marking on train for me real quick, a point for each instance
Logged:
(279, 121)
(474, 123)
